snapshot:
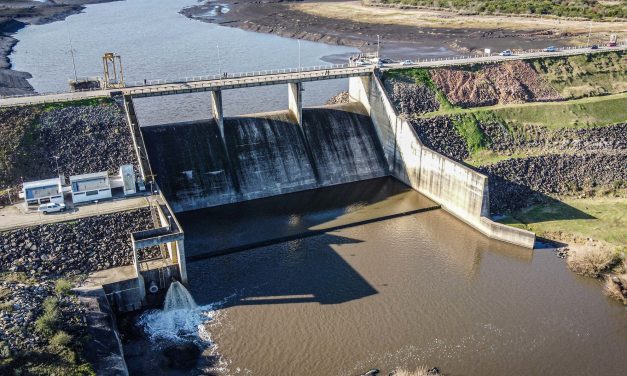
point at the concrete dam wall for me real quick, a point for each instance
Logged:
(459, 189)
(263, 155)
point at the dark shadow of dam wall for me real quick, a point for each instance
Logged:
(263, 155)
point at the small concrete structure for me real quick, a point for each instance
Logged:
(43, 191)
(127, 173)
(90, 187)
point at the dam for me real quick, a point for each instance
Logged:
(225, 160)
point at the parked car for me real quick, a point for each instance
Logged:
(506, 53)
(386, 61)
(407, 62)
(594, 47)
(549, 49)
(52, 207)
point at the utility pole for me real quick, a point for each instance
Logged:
(378, 45)
(589, 31)
(69, 37)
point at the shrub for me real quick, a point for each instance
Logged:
(592, 261)
(613, 289)
(60, 340)
(62, 287)
(47, 323)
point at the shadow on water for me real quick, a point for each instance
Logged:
(292, 273)
(246, 224)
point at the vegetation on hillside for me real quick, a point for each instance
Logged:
(63, 331)
(592, 9)
(585, 75)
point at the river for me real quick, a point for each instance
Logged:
(416, 290)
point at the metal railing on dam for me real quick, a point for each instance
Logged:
(157, 87)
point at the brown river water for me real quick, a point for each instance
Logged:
(415, 290)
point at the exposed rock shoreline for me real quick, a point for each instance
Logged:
(71, 248)
(46, 252)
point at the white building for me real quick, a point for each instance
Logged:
(43, 191)
(90, 187)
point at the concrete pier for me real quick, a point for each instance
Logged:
(295, 100)
(217, 110)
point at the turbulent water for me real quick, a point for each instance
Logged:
(180, 320)
(178, 297)
(263, 155)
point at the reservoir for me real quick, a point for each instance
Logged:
(156, 42)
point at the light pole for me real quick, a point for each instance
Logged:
(56, 160)
(378, 45)
(219, 64)
(299, 56)
(69, 37)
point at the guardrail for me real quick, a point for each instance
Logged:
(305, 72)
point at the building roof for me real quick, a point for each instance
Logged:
(42, 183)
(95, 175)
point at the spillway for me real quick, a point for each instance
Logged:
(263, 155)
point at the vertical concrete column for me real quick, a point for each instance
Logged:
(359, 90)
(295, 100)
(180, 251)
(138, 139)
(141, 287)
(217, 111)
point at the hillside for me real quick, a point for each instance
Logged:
(545, 131)
(591, 9)
(82, 137)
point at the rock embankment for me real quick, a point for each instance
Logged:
(411, 98)
(86, 138)
(515, 183)
(439, 134)
(71, 248)
(340, 98)
(24, 305)
(502, 139)
(509, 82)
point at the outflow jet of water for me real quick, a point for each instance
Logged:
(178, 297)
(180, 320)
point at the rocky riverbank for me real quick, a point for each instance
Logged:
(35, 304)
(73, 248)
(82, 137)
(520, 182)
(351, 24)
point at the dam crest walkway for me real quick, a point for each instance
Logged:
(151, 88)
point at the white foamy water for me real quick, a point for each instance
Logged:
(179, 325)
(180, 320)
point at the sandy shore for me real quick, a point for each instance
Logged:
(15, 14)
(406, 33)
